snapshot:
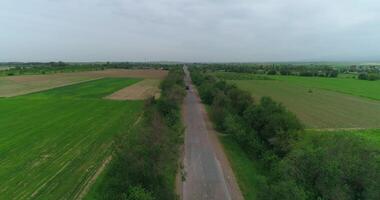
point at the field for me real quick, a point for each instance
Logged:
(321, 103)
(140, 90)
(344, 84)
(361, 88)
(53, 143)
(318, 108)
(19, 85)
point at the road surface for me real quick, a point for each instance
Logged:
(208, 173)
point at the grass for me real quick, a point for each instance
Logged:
(361, 88)
(245, 169)
(317, 108)
(372, 136)
(52, 142)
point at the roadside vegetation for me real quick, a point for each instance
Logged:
(290, 163)
(145, 162)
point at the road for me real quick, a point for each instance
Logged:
(208, 173)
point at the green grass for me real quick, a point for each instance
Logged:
(362, 88)
(372, 136)
(245, 169)
(50, 146)
(317, 108)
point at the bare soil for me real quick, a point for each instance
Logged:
(141, 90)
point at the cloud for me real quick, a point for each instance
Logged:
(188, 30)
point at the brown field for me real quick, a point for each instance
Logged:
(19, 85)
(138, 91)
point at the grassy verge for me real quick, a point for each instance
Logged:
(245, 169)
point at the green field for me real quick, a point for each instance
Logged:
(339, 114)
(53, 142)
(362, 88)
(321, 102)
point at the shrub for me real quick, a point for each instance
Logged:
(363, 76)
(334, 167)
(272, 72)
(274, 124)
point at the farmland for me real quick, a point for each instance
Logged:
(328, 140)
(19, 85)
(319, 102)
(367, 89)
(140, 90)
(318, 108)
(53, 142)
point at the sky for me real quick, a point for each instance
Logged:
(189, 30)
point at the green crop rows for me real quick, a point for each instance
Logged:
(52, 142)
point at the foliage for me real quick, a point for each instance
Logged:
(332, 166)
(294, 165)
(19, 68)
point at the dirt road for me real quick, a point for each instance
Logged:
(208, 173)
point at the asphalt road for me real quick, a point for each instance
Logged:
(206, 175)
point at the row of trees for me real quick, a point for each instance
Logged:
(277, 69)
(146, 161)
(57, 67)
(298, 165)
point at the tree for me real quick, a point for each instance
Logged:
(363, 76)
(274, 124)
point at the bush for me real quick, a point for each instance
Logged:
(274, 124)
(272, 72)
(334, 167)
(138, 193)
(363, 76)
(373, 77)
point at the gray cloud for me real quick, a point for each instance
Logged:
(189, 30)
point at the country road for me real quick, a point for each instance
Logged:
(208, 173)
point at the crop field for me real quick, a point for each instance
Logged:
(320, 103)
(141, 90)
(19, 85)
(361, 88)
(53, 143)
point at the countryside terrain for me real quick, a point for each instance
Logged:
(58, 136)
(102, 132)
(307, 133)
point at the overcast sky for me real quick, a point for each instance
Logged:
(189, 30)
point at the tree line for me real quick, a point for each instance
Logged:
(296, 165)
(146, 160)
(59, 67)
